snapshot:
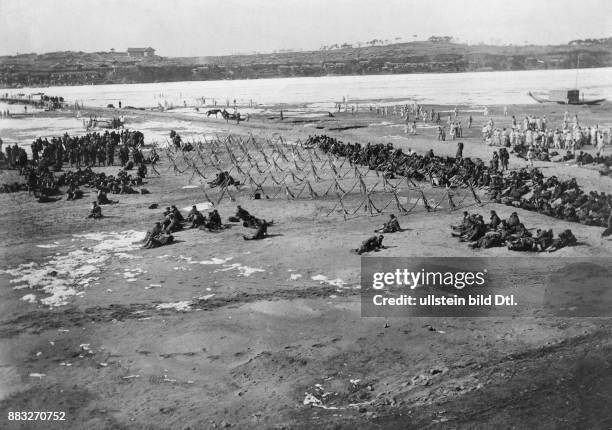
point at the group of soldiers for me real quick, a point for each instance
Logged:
(43, 183)
(584, 158)
(251, 221)
(530, 190)
(527, 189)
(211, 222)
(16, 157)
(89, 150)
(121, 184)
(415, 112)
(81, 152)
(440, 171)
(223, 179)
(510, 232)
(374, 243)
(534, 140)
(173, 221)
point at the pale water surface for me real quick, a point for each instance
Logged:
(478, 88)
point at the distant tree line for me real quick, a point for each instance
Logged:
(602, 41)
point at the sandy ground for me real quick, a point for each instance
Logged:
(215, 332)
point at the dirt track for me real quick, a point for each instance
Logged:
(250, 347)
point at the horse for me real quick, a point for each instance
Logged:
(213, 112)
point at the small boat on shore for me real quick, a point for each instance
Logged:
(566, 97)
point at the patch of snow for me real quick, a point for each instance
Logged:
(325, 280)
(244, 270)
(204, 206)
(131, 377)
(312, 400)
(30, 298)
(177, 306)
(214, 260)
(128, 256)
(60, 274)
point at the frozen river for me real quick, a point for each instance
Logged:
(481, 88)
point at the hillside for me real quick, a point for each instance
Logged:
(78, 68)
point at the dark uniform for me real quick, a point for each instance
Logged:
(390, 226)
(96, 211)
(374, 243)
(261, 233)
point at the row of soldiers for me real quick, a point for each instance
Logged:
(550, 139)
(42, 182)
(510, 232)
(527, 189)
(535, 132)
(88, 150)
(440, 171)
(562, 199)
(173, 221)
(584, 158)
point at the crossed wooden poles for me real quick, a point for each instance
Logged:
(291, 168)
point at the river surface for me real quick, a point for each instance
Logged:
(477, 88)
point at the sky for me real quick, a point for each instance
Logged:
(178, 28)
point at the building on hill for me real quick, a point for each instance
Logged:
(141, 52)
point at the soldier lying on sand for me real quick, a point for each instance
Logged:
(160, 239)
(390, 226)
(214, 221)
(374, 243)
(511, 233)
(261, 233)
(157, 229)
(96, 211)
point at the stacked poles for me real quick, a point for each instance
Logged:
(274, 167)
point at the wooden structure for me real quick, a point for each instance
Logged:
(141, 52)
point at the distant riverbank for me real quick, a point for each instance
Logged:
(419, 57)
